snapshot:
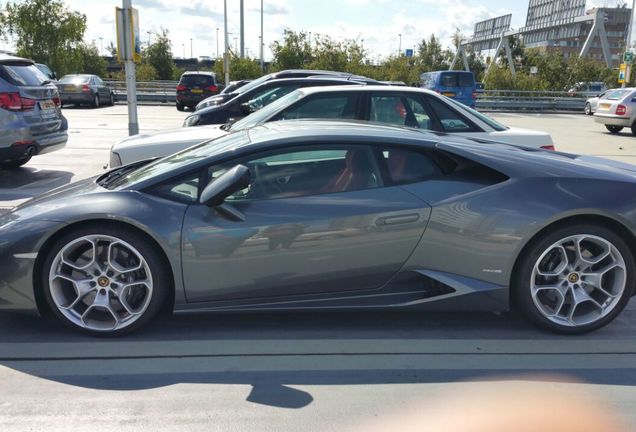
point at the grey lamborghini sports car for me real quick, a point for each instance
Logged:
(309, 215)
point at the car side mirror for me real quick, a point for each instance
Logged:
(230, 182)
(247, 108)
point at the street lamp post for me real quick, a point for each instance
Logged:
(261, 42)
(362, 45)
(101, 46)
(183, 47)
(149, 33)
(236, 44)
(628, 45)
(400, 45)
(191, 55)
(217, 42)
(226, 59)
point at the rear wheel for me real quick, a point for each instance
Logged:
(588, 109)
(111, 101)
(15, 163)
(614, 129)
(575, 279)
(179, 107)
(104, 280)
(96, 101)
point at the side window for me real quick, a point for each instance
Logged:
(324, 107)
(265, 97)
(450, 119)
(184, 189)
(400, 110)
(408, 166)
(286, 174)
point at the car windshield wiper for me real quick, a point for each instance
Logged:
(45, 82)
(226, 127)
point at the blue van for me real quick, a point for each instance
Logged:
(458, 85)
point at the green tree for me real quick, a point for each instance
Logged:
(431, 56)
(240, 69)
(90, 62)
(159, 55)
(294, 52)
(45, 31)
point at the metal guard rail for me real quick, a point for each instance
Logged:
(493, 100)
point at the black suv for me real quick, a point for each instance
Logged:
(257, 97)
(194, 87)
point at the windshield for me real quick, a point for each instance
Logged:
(75, 79)
(179, 160)
(253, 84)
(617, 94)
(489, 121)
(264, 114)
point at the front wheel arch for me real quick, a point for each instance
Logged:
(41, 303)
(607, 222)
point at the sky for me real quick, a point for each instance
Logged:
(378, 22)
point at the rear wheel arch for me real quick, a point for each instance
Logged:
(604, 221)
(41, 303)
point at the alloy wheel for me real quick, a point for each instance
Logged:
(578, 280)
(100, 283)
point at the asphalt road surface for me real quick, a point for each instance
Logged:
(286, 372)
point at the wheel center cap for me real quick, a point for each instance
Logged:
(103, 282)
(573, 278)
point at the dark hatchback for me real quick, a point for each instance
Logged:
(193, 87)
(257, 97)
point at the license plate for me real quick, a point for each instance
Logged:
(47, 105)
(605, 106)
(197, 91)
(449, 94)
(70, 88)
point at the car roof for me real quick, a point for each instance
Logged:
(199, 73)
(8, 58)
(367, 87)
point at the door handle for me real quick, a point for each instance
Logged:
(398, 220)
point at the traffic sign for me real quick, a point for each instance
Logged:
(628, 57)
(409, 53)
(621, 73)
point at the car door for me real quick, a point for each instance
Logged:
(104, 93)
(317, 221)
(400, 109)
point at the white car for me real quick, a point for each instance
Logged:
(617, 110)
(400, 106)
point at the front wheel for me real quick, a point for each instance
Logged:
(614, 129)
(104, 280)
(575, 279)
(588, 109)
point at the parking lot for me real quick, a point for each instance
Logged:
(325, 371)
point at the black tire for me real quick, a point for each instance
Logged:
(180, 107)
(633, 128)
(521, 290)
(158, 268)
(111, 100)
(14, 164)
(614, 129)
(588, 109)
(95, 103)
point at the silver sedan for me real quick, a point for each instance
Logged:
(617, 110)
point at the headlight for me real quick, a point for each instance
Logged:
(115, 160)
(191, 120)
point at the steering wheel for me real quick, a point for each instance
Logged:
(263, 185)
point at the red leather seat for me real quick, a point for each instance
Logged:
(355, 175)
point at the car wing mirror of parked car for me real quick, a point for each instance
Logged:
(247, 108)
(218, 190)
